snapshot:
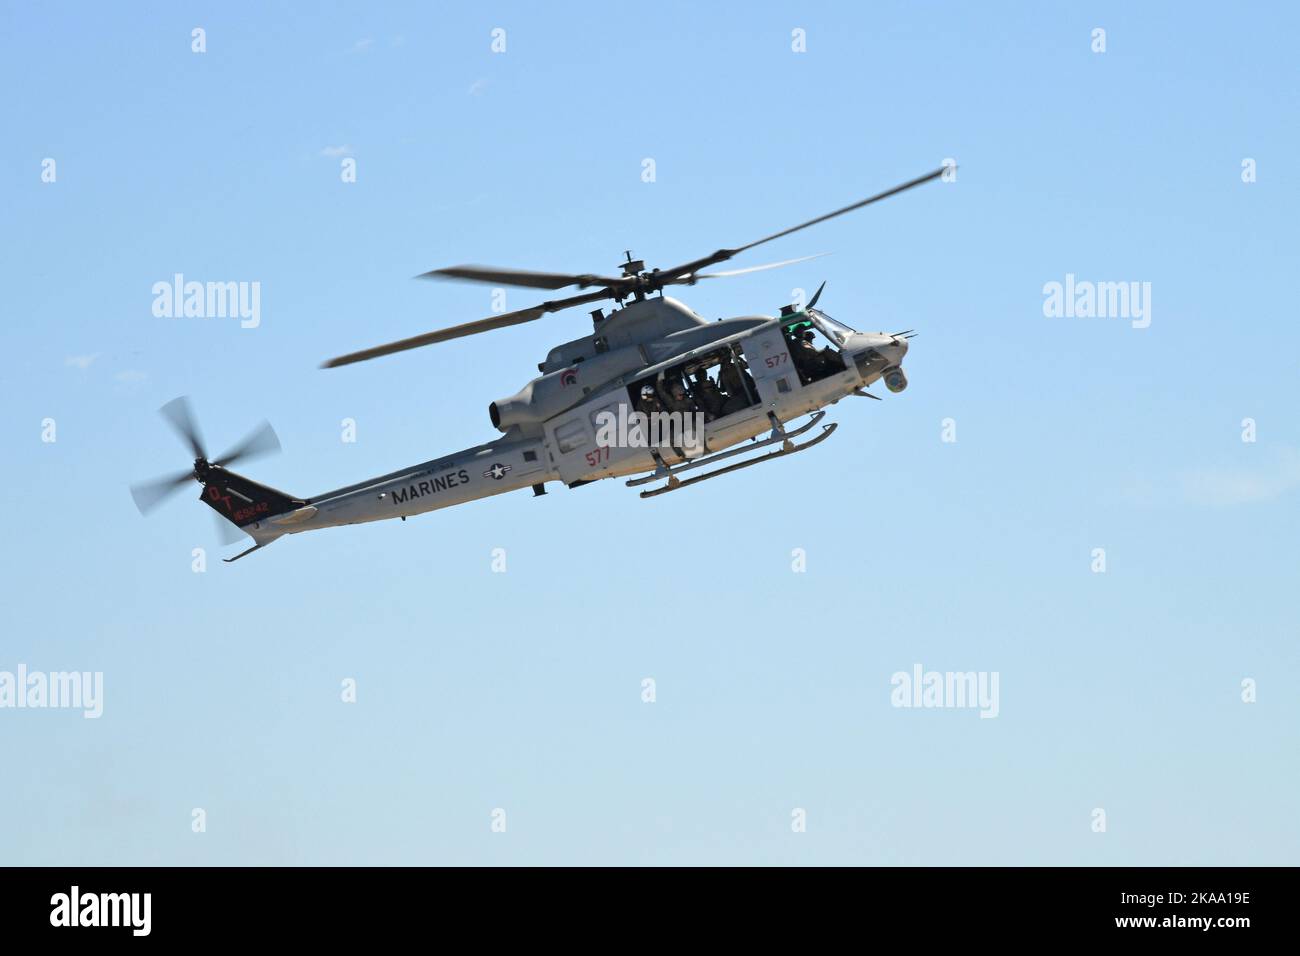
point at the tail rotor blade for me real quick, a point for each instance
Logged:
(178, 414)
(227, 532)
(261, 441)
(149, 495)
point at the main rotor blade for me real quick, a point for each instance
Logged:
(261, 441)
(519, 277)
(693, 277)
(469, 328)
(722, 255)
(150, 494)
(178, 414)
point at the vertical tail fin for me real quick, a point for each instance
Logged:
(241, 500)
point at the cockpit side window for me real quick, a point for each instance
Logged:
(808, 341)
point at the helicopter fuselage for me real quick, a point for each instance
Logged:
(552, 427)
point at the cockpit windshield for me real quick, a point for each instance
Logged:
(837, 332)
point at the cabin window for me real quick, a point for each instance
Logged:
(714, 385)
(571, 436)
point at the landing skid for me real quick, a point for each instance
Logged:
(778, 435)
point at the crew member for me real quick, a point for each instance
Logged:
(677, 400)
(707, 394)
(649, 402)
(734, 379)
(806, 357)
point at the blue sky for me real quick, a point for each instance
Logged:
(522, 691)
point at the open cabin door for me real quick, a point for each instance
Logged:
(770, 365)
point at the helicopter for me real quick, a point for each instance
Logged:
(653, 394)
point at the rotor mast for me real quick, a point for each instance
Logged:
(633, 269)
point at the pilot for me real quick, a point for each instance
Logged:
(707, 394)
(829, 360)
(806, 357)
(649, 402)
(813, 362)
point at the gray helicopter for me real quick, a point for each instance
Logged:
(655, 391)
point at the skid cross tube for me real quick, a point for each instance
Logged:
(667, 471)
(788, 448)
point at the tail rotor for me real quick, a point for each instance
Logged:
(149, 495)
